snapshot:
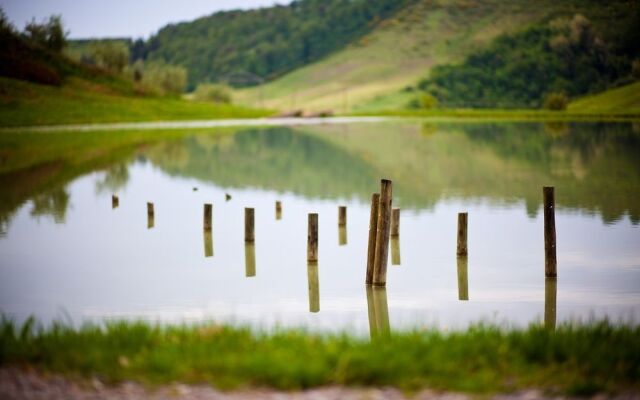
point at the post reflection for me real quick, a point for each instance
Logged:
(249, 259)
(550, 293)
(150, 221)
(378, 311)
(463, 278)
(208, 243)
(314, 287)
(342, 235)
(395, 250)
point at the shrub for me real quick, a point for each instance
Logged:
(169, 79)
(112, 56)
(556, 101)
(213, 93)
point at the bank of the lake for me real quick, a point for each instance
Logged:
(578, 359)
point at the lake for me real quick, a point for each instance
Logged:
(67, 254)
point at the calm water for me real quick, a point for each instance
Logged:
(66, 253)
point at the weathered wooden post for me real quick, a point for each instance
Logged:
(150, 216)
(395, 222)
(342, 216)
(373, 231)
(249, 225)
(342, 235)
(550, 293)
(463, 278)
(249, 259)
(314, 286)
(462, 234)
(278, 210)
(208, 243)
(207, 218)
(312, 238)
(115, 202)
(382, 236)
(395, 250)
(550, 262)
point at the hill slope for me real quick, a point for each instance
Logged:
(625, 99)
(371, 73)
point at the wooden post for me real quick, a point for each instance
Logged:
(377, 299)
(463, 278)
(462, 234)
(115, 202)
(550, 293)
(342, 235)
(314, 287)
(278, 209)
(382, 235)
(249, 225)
(550, 262)
(373, 327)
(249, 259)
(373, 230)
(342, 216)
(150, 216)
(395, 222)
(395, 250)
(208, 243)
(312, 238)
(207, 219)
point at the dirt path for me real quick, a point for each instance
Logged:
(21, 384)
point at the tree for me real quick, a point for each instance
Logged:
(111, 55)
(48, 34)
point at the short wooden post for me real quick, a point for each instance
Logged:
(373, 230)
(550, 294)
(550, 262)
(312, 238)
(463, 278)
(150, 216)
(249, 259)
(395, 222)
(207, 218)
(462, 234)
(208, 243)
(342, 216)
(227, 197)
(382, 236)
(395, 250)
(278, 210)
(115, 202)
(249, 225)
(342, 235)
(314, 287)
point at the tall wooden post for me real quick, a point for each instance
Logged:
(342, 216)
(373, 230)
(249, 225)
(207, 218)
(312, 238)
(395, 222)
(462, 235)
(382, 236)
(550, 262)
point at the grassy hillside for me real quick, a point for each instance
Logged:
(625, 99)
(371, 73)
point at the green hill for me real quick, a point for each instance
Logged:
(625, 99)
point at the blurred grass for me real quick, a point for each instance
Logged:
(80, 101)
(615, 101)
(574, 359)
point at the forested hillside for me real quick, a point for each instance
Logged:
(236, 45)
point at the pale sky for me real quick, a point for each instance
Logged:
(120, 18)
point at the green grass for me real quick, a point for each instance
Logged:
(80, 101)
(625, 99)
(578, 359)
(479, 114)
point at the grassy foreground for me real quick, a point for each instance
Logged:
(81, 101)
(575, 360)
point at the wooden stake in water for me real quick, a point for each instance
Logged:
(312, 238)
(550, 262)
(150, 216)
(463, 278)
(208, 243)
(249, 259)
(382, 235)
(314, 287)
(395, 250)
(373, 230)
(278, 209)
(550, 294)
(207, 218)
(249, 225)
(378, 311)
(342, 216)
(395, 222)
(342, 235)
(115, 202)
(462, 234)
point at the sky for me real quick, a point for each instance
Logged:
(120, 18)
